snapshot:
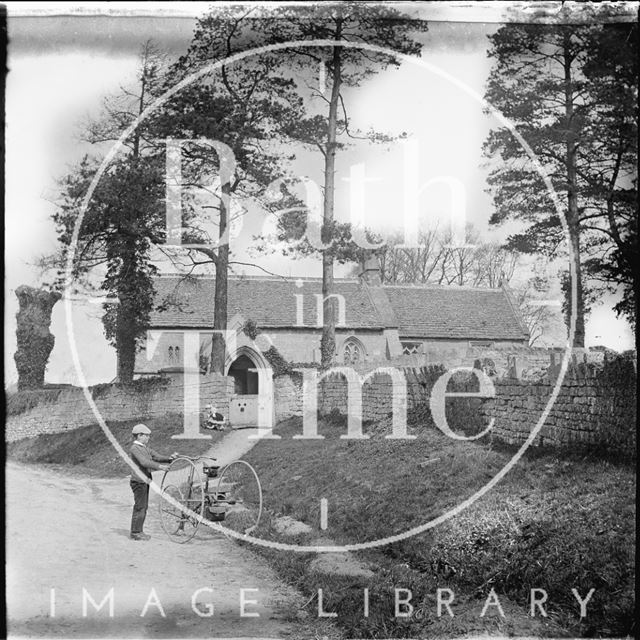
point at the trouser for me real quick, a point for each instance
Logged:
(140, 504)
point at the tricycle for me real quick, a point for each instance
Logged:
(200, 491)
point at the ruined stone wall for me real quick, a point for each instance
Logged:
(70, 410)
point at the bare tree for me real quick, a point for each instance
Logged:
(439, 261)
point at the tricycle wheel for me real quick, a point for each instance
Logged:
(239, 490)
(181, 500)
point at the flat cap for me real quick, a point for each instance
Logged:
(141, 428)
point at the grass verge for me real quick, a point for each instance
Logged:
(553, 523)
(87, 450)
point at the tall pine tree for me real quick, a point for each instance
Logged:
(327, 128)
(560, 85)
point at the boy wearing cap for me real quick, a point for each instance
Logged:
(147, 460)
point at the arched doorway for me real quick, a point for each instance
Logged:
(252, 401)
(245, 375)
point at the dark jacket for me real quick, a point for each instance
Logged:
(146, 459)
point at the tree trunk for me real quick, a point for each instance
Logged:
(573, 216)
(35, 341)
(218, 347)
(126, 340)
(328, 341)
(126, 333)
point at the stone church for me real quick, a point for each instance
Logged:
(376, 323)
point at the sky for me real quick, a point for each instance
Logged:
(61, 68)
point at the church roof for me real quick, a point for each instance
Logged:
(269, 302)
(416, 311)
(455, 313)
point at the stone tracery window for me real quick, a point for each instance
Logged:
(410, 348)
(353, 352)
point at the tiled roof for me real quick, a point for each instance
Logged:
(269, 302)
(419, 311)
(455, 313)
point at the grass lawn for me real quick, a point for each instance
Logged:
(87, 450)
(552, 523)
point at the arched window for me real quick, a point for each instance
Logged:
(171, 354)
(176, 354)
(353, 351)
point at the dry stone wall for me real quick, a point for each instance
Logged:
(287, 397)
(377, 392)
(116, 403)
(595, 407)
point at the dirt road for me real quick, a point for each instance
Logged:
(70, 533)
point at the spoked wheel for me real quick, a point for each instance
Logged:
(181, 500)
(239, 490)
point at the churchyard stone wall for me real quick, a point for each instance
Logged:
(377, 391)
(595, 407)
(145, 400)
(595, 404)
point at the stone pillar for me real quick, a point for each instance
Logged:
(35, 341)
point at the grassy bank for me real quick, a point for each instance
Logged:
(553, 524)
(88, 450)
